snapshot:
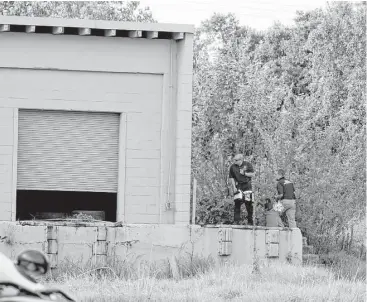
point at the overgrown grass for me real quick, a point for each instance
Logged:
(133, 268)
(346, 266)
(200, 281)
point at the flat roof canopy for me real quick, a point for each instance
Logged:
(94, 27)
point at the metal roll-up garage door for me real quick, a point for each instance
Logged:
(67, 151)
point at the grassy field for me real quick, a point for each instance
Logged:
(275, 282)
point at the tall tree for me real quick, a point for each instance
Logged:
(96, 10)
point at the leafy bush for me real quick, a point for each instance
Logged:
(221, 211)
(215, 211)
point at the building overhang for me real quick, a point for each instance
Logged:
(82, 27)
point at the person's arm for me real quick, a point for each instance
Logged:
(294, 192)
(250, 171)
(233, 185)
(250, 174)
(232, 181)
(280, 190)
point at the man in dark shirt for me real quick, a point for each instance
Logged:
(287, 197)
(240, 174)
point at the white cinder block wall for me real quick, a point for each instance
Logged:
(183, 129)
(149, 82)
(7, 141)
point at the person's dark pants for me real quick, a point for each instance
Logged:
(237, 210)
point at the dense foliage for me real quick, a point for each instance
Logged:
(95, 10)
(290, 97)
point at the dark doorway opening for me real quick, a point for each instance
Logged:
(30, 202)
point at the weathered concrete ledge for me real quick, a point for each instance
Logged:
(246, 227)
(101, 241)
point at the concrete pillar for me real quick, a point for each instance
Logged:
(183, 129)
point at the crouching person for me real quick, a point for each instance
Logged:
(272, 216)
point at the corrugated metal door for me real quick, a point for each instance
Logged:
(67, 151)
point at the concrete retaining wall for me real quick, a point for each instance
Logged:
(99, 242)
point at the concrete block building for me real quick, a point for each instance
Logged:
(95, 115)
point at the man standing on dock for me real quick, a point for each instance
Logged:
(240, 174)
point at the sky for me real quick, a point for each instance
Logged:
(258, 14)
